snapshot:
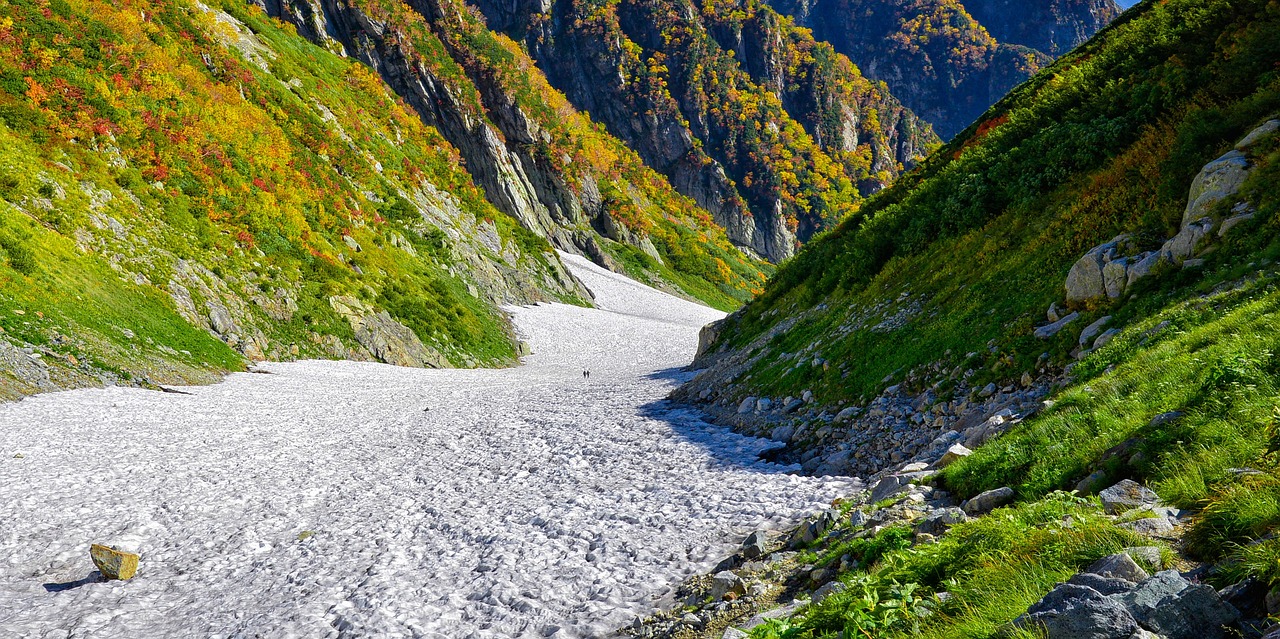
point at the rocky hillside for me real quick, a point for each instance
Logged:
(948, 60)
(775, 134)
(186, 186)
(1077, 292)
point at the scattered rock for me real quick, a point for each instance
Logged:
(988, 501)
(938, 521)
(1127, 495)
(888, 487)
(726, 582)
(1104, 585)
(754, 546)
(1093, 329)
(747, 405)
(114, 563)
(1093, 483)
(1150, 526)
(955, 453)
(1045, 332)
(828, 589)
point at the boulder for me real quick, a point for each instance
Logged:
(114, 563)
(793, 406)
(1093, 329)
(1145, 264)
(828, 589)
(846, 414)
(1189, 241)
(1118, 566)
(1232, 222)
(747, 405)
(1071, 611)
(1115, 277)
(857, 518)
(938, 521)
(763, 405)
(1268, 129)
(1093, 483)
(955, 453)
(1150, 526)
(1171, 606)
(708, 335)
(988, 501)
(1045, 332)
(1218, 180)
(888, 487)
(754, 545)
(1084, 280)
(726, 582)
(1127, 495)
(1105, 338)
(783, 433)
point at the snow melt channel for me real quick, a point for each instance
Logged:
(340, 498)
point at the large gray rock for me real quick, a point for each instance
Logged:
(888, 487)
(1093, 329)
(955, 453)
(1190, 241)
(747, 405)
(1045, 332)
(1118, 566)
(1150, 526)
(988, 501)
(1268, 129)
(726, 582)
(754, 545)
(938, 521)
(1084, 280)
(1071, 611)
(1127, 495)
(1171, 606)
(1218, 180)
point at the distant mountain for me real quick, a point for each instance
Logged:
(948, 60)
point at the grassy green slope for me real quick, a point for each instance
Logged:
(148, 145)
(980, 240)
(975, 245)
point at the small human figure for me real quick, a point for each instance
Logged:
(586, 374)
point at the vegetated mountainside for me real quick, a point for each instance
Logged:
(536, 157)
(1128, 189)
(777, 135)
(948, 60)
(183, 186)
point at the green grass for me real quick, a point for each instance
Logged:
(994, 567)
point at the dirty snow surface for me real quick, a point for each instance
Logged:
(340, 498)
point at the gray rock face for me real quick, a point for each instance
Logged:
(1104, 585)
(384, 337)
(888, 487)
(747, 405)
(1217, 181)
(1118, 566)
(754, 545)
(1045, 332)
(708, 336)
(1093, 329)
(1171, 606)
(1078, 612)
(726, 582)
(988, 501)
(1268, 129)
(938, 521)
(1085, 280)
(955, 453)
(1127, 495)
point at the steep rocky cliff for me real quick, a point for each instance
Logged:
(535, 157)
(948, 60)
(773, 133)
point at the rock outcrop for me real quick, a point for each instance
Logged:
(1108, 270)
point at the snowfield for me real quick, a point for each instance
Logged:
(341, 498)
